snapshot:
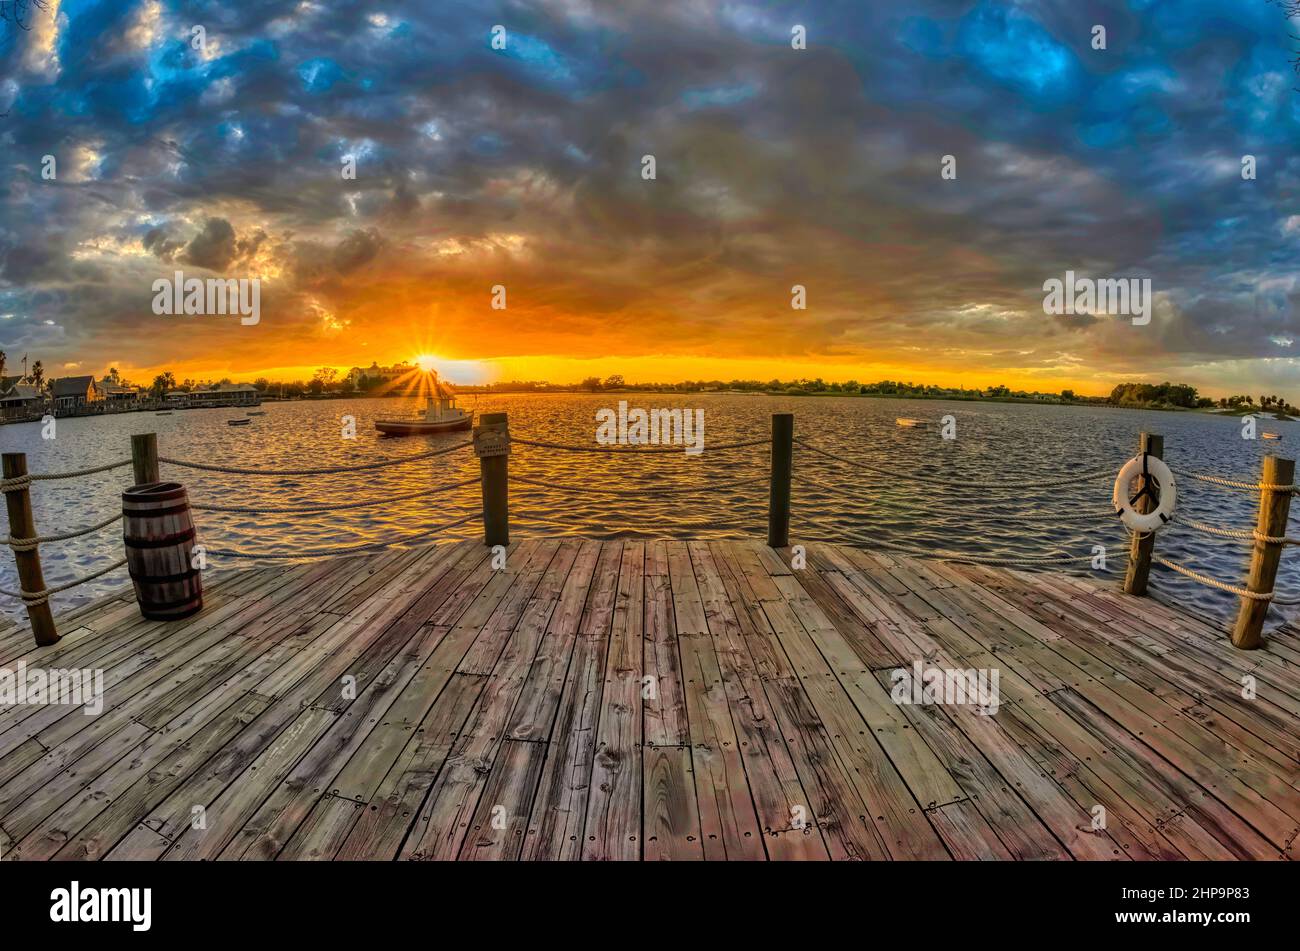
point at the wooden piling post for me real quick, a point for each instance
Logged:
(492, 446)
(778, 500)
(1139, 558)
(18, 502)
(144, 458)
(1274, 508)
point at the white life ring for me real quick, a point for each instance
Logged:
(1168, 493)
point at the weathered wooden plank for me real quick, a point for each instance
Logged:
(672, 821)
(534, 713)
(967, 833)
(111, 805)
(663, 699)
(501, 819)
(381, 829)
(612, 829)
(773, 780)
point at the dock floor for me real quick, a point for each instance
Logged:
(651, 700)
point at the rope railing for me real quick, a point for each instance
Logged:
(1212, 582)
(1244, 484)
(30, 544)
(637, 493)
(343, 549)
(33, 598)
(18, 483)
(26, 545)
(1058, 558)
(1001, 484)
(1099, 515)
(320, 470)
(632, 450)
(1236, 534)
(331, 507)
(492, 444)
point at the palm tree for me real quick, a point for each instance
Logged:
(38, 374)
(164, 382)
(2, 363)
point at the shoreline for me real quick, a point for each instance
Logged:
(1097, 402)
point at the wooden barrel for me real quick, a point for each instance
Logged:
(159, 537)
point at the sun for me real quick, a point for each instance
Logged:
(426, 362)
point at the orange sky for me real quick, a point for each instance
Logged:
(651, 369)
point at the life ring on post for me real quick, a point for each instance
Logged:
(1158, 486)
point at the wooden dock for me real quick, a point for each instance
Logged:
(651, 700)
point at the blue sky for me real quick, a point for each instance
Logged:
(776, 166)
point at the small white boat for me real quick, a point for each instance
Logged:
(440, 416)
(238, 422)
(912, 423)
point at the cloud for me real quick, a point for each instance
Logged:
(522, 166)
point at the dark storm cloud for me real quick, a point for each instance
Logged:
(774, 168)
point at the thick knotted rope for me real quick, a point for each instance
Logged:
(886, 505)
(337, 507)
(23, 481)
(28, 544)
(633, 450)
(32, 598)
(1238, 484)
(325, 470)
(1053, 559)
(1003, 484)
(636, 493)
(1250, 535)
(342, 549)
(1211, 582)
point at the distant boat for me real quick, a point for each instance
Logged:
(165, 412)
(1270, 436)
(260, 412)
(238, 422)
(440, 416)
(912, 423)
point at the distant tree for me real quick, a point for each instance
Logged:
(614, 381)
(1067, 395)
(262, 384)
(163, 382)
(592, 383)
(38, 374)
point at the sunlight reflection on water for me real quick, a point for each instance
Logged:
(995, 441)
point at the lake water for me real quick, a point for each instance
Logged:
(1017, 445)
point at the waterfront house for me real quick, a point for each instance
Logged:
(20, 400)
(117, 392)
(217, 394)
(363, 378)
(72, 392)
